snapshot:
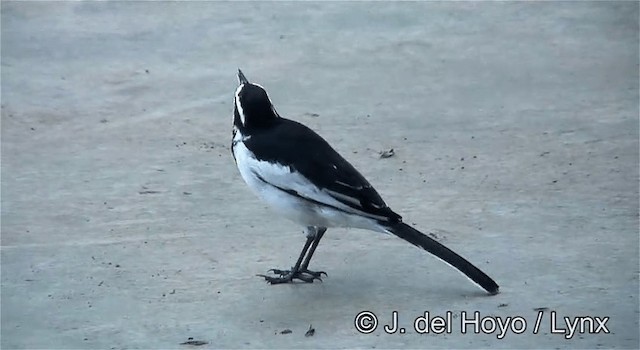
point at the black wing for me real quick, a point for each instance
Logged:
(291, 143)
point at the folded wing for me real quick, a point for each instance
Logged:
(323, 176)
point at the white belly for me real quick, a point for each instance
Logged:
(293, 207)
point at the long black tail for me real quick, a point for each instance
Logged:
(423, 241)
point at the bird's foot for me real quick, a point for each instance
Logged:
(287, 276)
(316, 274)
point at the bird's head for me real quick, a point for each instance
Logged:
(252, 106)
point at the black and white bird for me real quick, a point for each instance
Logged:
(304, 179)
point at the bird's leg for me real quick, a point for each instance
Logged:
(304, 267)
(287, 276)
(299, 270)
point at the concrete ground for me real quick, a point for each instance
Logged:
(125, 223)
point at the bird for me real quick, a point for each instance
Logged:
(302, 178)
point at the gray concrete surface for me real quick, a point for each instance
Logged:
(125, 223)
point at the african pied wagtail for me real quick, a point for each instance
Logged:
(300, 176)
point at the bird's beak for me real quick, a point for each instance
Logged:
(241, 78)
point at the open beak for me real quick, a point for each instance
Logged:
(241, 78)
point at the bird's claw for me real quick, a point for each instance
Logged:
(316, 274)
(279, 272)
(287, 276)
